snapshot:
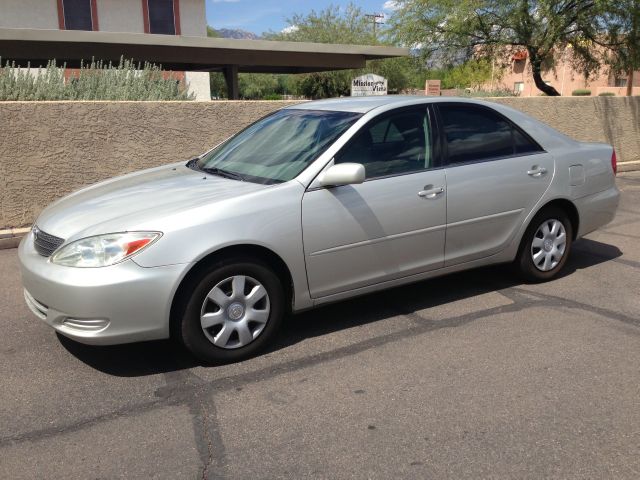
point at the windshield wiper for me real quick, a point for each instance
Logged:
(193, 164)
(223, 173)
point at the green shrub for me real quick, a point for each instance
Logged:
(581, 92)
(490, 93)
(93, 81)
(272, 96)
(607, 94)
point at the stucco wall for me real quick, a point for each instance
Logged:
(48, 149)
(120, 16)
(614, 120)
(193, 18)
(29, 14)
(113, 15)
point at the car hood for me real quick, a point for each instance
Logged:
(137, 201)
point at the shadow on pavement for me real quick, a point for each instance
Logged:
(132, 359)
(148, 358)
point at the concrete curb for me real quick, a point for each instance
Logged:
(11, 237)
(628, 166)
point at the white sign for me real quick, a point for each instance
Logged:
(368, 84)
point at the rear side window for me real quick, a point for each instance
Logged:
(474, 134)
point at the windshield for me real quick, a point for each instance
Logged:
(278, 147)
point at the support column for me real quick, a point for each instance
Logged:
(231, 77)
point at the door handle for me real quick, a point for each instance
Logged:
(430, 192)
(536, 171)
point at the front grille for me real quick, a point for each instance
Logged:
(44, 243)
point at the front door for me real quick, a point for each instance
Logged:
(390, 226)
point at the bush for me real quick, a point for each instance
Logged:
(581, 92)
(94, 81)
(607, 94)
(490, 93)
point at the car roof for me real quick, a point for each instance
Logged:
(546, 136)
(366, 104)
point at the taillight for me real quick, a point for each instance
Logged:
(614, 162)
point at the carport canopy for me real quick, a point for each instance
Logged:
(176, 52)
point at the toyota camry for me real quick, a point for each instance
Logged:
(315, 203)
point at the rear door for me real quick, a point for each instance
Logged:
(495, 173)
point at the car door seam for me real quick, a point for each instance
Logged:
(377, 240)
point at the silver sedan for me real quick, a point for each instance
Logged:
(312, 204)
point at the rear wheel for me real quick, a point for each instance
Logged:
(545, 245)
(233, 311)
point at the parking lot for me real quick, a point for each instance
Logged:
(467, 376)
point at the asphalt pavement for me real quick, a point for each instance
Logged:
(473, 375)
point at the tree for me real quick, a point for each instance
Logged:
(498, 28)
(331, 25)
(348, 25)
(256, 86)
(470, 74)
(621, 21)
(212, 32)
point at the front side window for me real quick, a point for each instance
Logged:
(161, 17)
(77, 15)
(392, 145)
(474, 134)
(280, 146)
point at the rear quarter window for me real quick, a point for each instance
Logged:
(475, 133)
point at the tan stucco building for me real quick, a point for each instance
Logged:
(563, 77)
(170, 17)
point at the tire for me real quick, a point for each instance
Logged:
(233, 314)
(551, 256)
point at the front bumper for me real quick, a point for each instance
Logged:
(100, 306)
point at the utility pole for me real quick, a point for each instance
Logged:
(376, 19)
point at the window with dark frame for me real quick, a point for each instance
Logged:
(395, 144)
(161, 17)
(474, 134)
(77, 14)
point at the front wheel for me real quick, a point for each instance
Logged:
(545, 245)
(234, 310)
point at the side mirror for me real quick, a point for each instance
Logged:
(342, 174)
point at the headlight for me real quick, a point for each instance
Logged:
(103, 250)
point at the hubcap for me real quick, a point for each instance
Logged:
(235, 312)
(549, 244)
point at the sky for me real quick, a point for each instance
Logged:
(259, 16)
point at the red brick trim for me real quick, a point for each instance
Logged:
(94, 16)
(60, 15)
(176, 16)
(70, 73)
(179, 76)
(145, 15)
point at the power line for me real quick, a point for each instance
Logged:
(376, 20)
